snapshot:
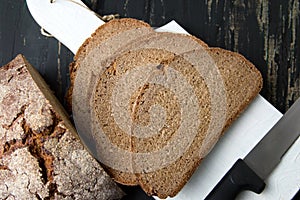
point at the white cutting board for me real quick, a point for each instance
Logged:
(71, 23)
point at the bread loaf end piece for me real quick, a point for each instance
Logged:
(41, 156)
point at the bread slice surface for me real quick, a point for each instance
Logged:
(130, 103)
(104, 32)
(94, 64)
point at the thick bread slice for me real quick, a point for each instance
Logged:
(150, 109)
(41, 156)
(104, 32)
(216, 109)
(90, 67)
(118, 41)
(92, 63)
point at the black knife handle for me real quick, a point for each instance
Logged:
(240, 177)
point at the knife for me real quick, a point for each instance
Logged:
(249, 173)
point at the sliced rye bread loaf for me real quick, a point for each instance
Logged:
(90, 65)
(165, 173)
(118, 100)
(41, 156)
(104, 32)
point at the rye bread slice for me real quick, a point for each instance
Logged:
(41, 156)
(162, 174)
(99, 76)
(153, 40)
(90, 66)
(104, 32)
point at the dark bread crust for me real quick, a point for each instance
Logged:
(108, 30)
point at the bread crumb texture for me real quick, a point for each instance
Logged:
(40, 158)
(163, 99)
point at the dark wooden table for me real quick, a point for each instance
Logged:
(265, 32)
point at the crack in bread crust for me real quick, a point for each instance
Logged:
(40, 155)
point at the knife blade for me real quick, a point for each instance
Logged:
(250, 173)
